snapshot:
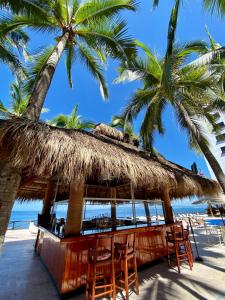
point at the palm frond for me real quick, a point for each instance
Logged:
(70, 59)
(95, 67)
(59, 121)
(9, 24)
(139, 101)
(155, 3)
(8, 57)
(35, 67)
(215, 5)
(172, 28)
(100, 9)
(25, 7)
(111, 38)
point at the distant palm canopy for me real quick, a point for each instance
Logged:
(194, 90)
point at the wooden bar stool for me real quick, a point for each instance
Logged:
(128, 265)
(101, 271)
(179, 238)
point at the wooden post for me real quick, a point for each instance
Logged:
(133, 204)
(168, 213)
(210, 209)
(113, 205)
(49, 197)
(146, 206)
(44, 219)
(147, 212)
(75, 208)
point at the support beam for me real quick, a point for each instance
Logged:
(75, 208)
(147, 212)
(49, 198)
(44, 219)
(113, 205)
(168, 213)
(27, 181)
(210, 209)
(133, 204)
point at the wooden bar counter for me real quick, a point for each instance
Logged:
(66, 258)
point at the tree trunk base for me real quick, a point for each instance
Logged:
(9, 183)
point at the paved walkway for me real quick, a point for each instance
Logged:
(23, 277)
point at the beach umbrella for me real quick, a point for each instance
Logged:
(217, 200)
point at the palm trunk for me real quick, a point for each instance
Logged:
(9, 177)
(41, 88)
(9, 184)
(204, 147)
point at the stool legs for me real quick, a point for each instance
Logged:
(187, 254)
(126, 275)
(129, 278)
(114, 282)
(136, 276)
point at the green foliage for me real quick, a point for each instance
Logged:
(35, 65)
(193, 90)
(215, 5)
(120, 122)
(94, 29)
(18, 102)
(71, 121)
(12, 44)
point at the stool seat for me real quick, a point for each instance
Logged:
(122, 249)
(102, 255)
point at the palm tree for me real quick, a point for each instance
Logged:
(90, 30)
(18, 102)
(72, 121)
(192, 91)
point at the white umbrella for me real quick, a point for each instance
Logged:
(217, 199)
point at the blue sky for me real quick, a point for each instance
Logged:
(149, 27)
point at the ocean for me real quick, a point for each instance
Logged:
(92, 211)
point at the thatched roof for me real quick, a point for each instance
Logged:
(43, 152)
(108, 131)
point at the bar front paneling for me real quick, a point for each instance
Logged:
(66, 258)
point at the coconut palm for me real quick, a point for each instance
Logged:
(72, 121)
(193, 91)
(89, 30)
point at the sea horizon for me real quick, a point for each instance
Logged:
(100, 210)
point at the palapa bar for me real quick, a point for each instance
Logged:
(63, 164)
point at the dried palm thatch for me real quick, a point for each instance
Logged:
(49, 152)
(108, 131)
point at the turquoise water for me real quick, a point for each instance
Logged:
(93, 211)
(217, 222)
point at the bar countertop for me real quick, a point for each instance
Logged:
(71, 253)
(114, 230)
